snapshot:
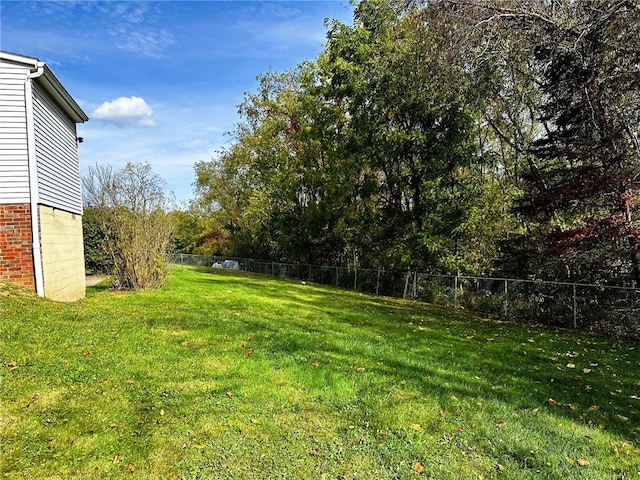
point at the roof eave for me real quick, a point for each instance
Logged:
(53, 86)
(50, 83)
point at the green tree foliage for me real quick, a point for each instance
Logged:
(128, 206)
(197, 232)
(583, 64)
(446, 136)
(96, 259)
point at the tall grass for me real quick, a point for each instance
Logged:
(227, 375)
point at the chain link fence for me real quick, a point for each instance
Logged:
(606, 309)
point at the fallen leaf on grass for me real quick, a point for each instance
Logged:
(586, 370)
(571, 365)
(416, 427)
(35, 398)
(500, 467)
(117, 459)
(554, 403)
(12, 365)
(229, 394)
(460, 429)
(185, 344)
(583, 462)
(316, 364)
(199, 446)
(360, 369)
(131, 468)
(419, 467)
(501, 424)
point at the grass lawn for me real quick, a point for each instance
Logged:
(228, 375)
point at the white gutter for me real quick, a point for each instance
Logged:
(33, 178)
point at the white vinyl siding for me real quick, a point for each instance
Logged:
(59, 182)
(14, 158)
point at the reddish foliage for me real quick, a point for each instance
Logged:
(612, 227)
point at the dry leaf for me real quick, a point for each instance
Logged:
(586, 370)
(360, 369)
(571, 365)
(229, 394)
(442, 413)
(418, 467)
(501, 424)
(500, 467)
(553, 402)
(316, 364)
(583, 462)
(185, 343)
(131, 468)
(117, 459)
(416, 427)
(12, 365)
(199, 446)
(460, 429)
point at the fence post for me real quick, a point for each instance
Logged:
(406, 285)
(506, 297)
(455, 291)
(415, 284)
(575, 309)
(378, 283)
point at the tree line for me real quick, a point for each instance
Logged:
(448, 136)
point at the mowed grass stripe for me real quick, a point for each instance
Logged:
(227, 375)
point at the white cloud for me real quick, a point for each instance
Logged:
(126, 112)
(147, 43)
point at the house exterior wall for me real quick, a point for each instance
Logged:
(16, 255)
(14, 156)
(62, 254)
(59, 183)
(39, 169)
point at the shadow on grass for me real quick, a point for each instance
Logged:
(591, 380)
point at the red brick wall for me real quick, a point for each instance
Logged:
(16, 258)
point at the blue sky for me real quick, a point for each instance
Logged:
(160, 80)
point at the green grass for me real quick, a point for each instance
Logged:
(225, 375)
